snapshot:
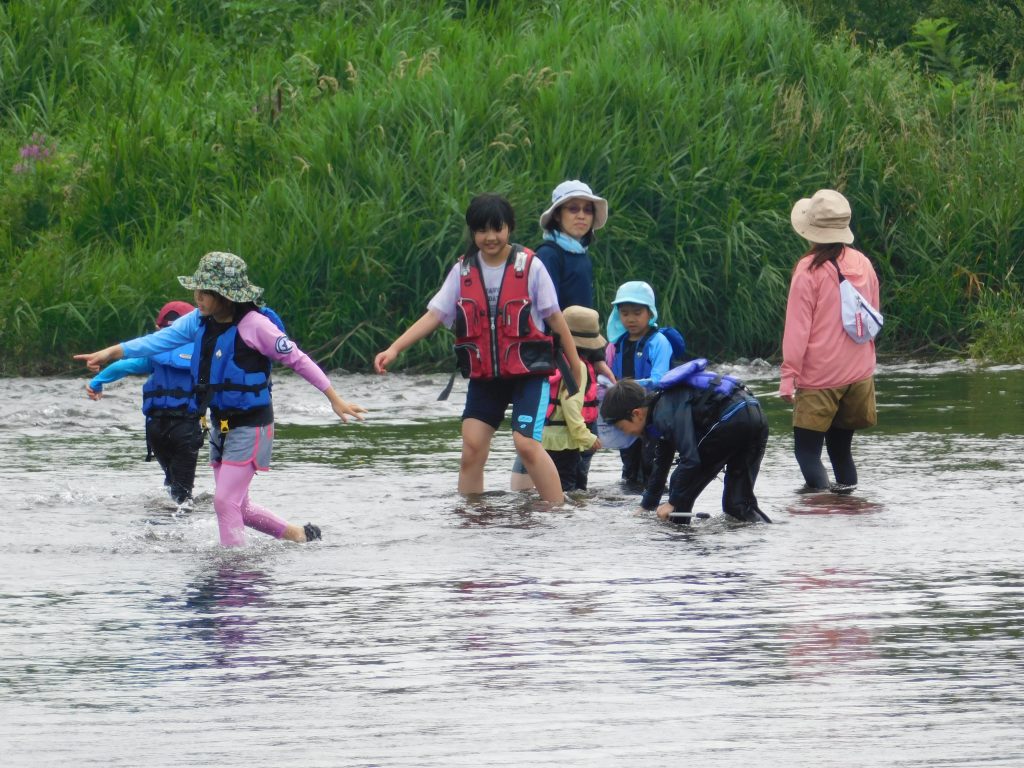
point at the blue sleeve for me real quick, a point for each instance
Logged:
(659, 352)
(135, 366)
(181, 332)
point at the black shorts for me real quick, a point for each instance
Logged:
(488, 399)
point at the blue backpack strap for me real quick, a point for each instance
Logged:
(273, 317)
(675, 338)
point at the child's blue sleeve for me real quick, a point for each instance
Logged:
(134, 366)
(659, 352)
(181, 332)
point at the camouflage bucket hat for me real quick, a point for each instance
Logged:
(222, 273)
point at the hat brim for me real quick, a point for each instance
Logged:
(240, 296)
(600, 209)
(590, 342)
(798, 217)
(612, 437)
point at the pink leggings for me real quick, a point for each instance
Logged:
(234, 508)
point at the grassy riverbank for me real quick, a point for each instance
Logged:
(336, 145)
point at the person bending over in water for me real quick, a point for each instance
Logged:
(711, 421)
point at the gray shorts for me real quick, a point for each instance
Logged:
(243, 445)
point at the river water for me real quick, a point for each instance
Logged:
(427, 630)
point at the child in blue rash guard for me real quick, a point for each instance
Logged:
(173, 434)
(712, 422)
(639, 352)
(497, 298)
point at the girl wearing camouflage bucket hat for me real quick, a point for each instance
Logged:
(236, 343)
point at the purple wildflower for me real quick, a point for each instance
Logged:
(39, 149)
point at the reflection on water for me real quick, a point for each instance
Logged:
(223, 608)
(832, 504)
(431, 630)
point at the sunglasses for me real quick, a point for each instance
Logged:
(575, 208)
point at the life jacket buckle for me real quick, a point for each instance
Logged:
(224, 426)
(520, 262)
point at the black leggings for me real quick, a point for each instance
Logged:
(807, 446)
(176, 442)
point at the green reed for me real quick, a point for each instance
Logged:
(336, 145)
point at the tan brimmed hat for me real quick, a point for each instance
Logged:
(585, 326)
(824, 218)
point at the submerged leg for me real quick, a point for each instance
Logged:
(738, 499)
(807, 446)
(839, 443)
(476, 445)
(540, 466)
(235, 510)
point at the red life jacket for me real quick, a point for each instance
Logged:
(509, 344)
(589, 397)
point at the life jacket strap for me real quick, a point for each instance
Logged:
(166, 393)
(228, 420)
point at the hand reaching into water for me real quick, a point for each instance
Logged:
(342, 407)
(92, 393)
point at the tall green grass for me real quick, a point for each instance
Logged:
(335, 147)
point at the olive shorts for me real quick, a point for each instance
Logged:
(849, 407)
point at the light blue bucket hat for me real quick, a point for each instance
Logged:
(633, 292)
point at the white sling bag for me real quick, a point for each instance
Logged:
(861, 321)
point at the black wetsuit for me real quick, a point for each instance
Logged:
(709, 433)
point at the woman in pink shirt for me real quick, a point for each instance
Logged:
(827, 375)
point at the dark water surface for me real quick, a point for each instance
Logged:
(426, 630)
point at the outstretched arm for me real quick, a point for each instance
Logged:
(260, 333)
(426, 325)
(136, 366)
(96, 360)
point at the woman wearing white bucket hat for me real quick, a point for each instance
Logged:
(569, 224)
(827, 376)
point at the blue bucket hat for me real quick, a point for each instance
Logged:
(633, 292)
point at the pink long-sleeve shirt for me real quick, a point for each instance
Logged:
(255, 329)
(816, 351)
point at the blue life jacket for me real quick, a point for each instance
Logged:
(720, 396)
(693, 374)
(169, 387)
(642, 363)
(238, 378)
